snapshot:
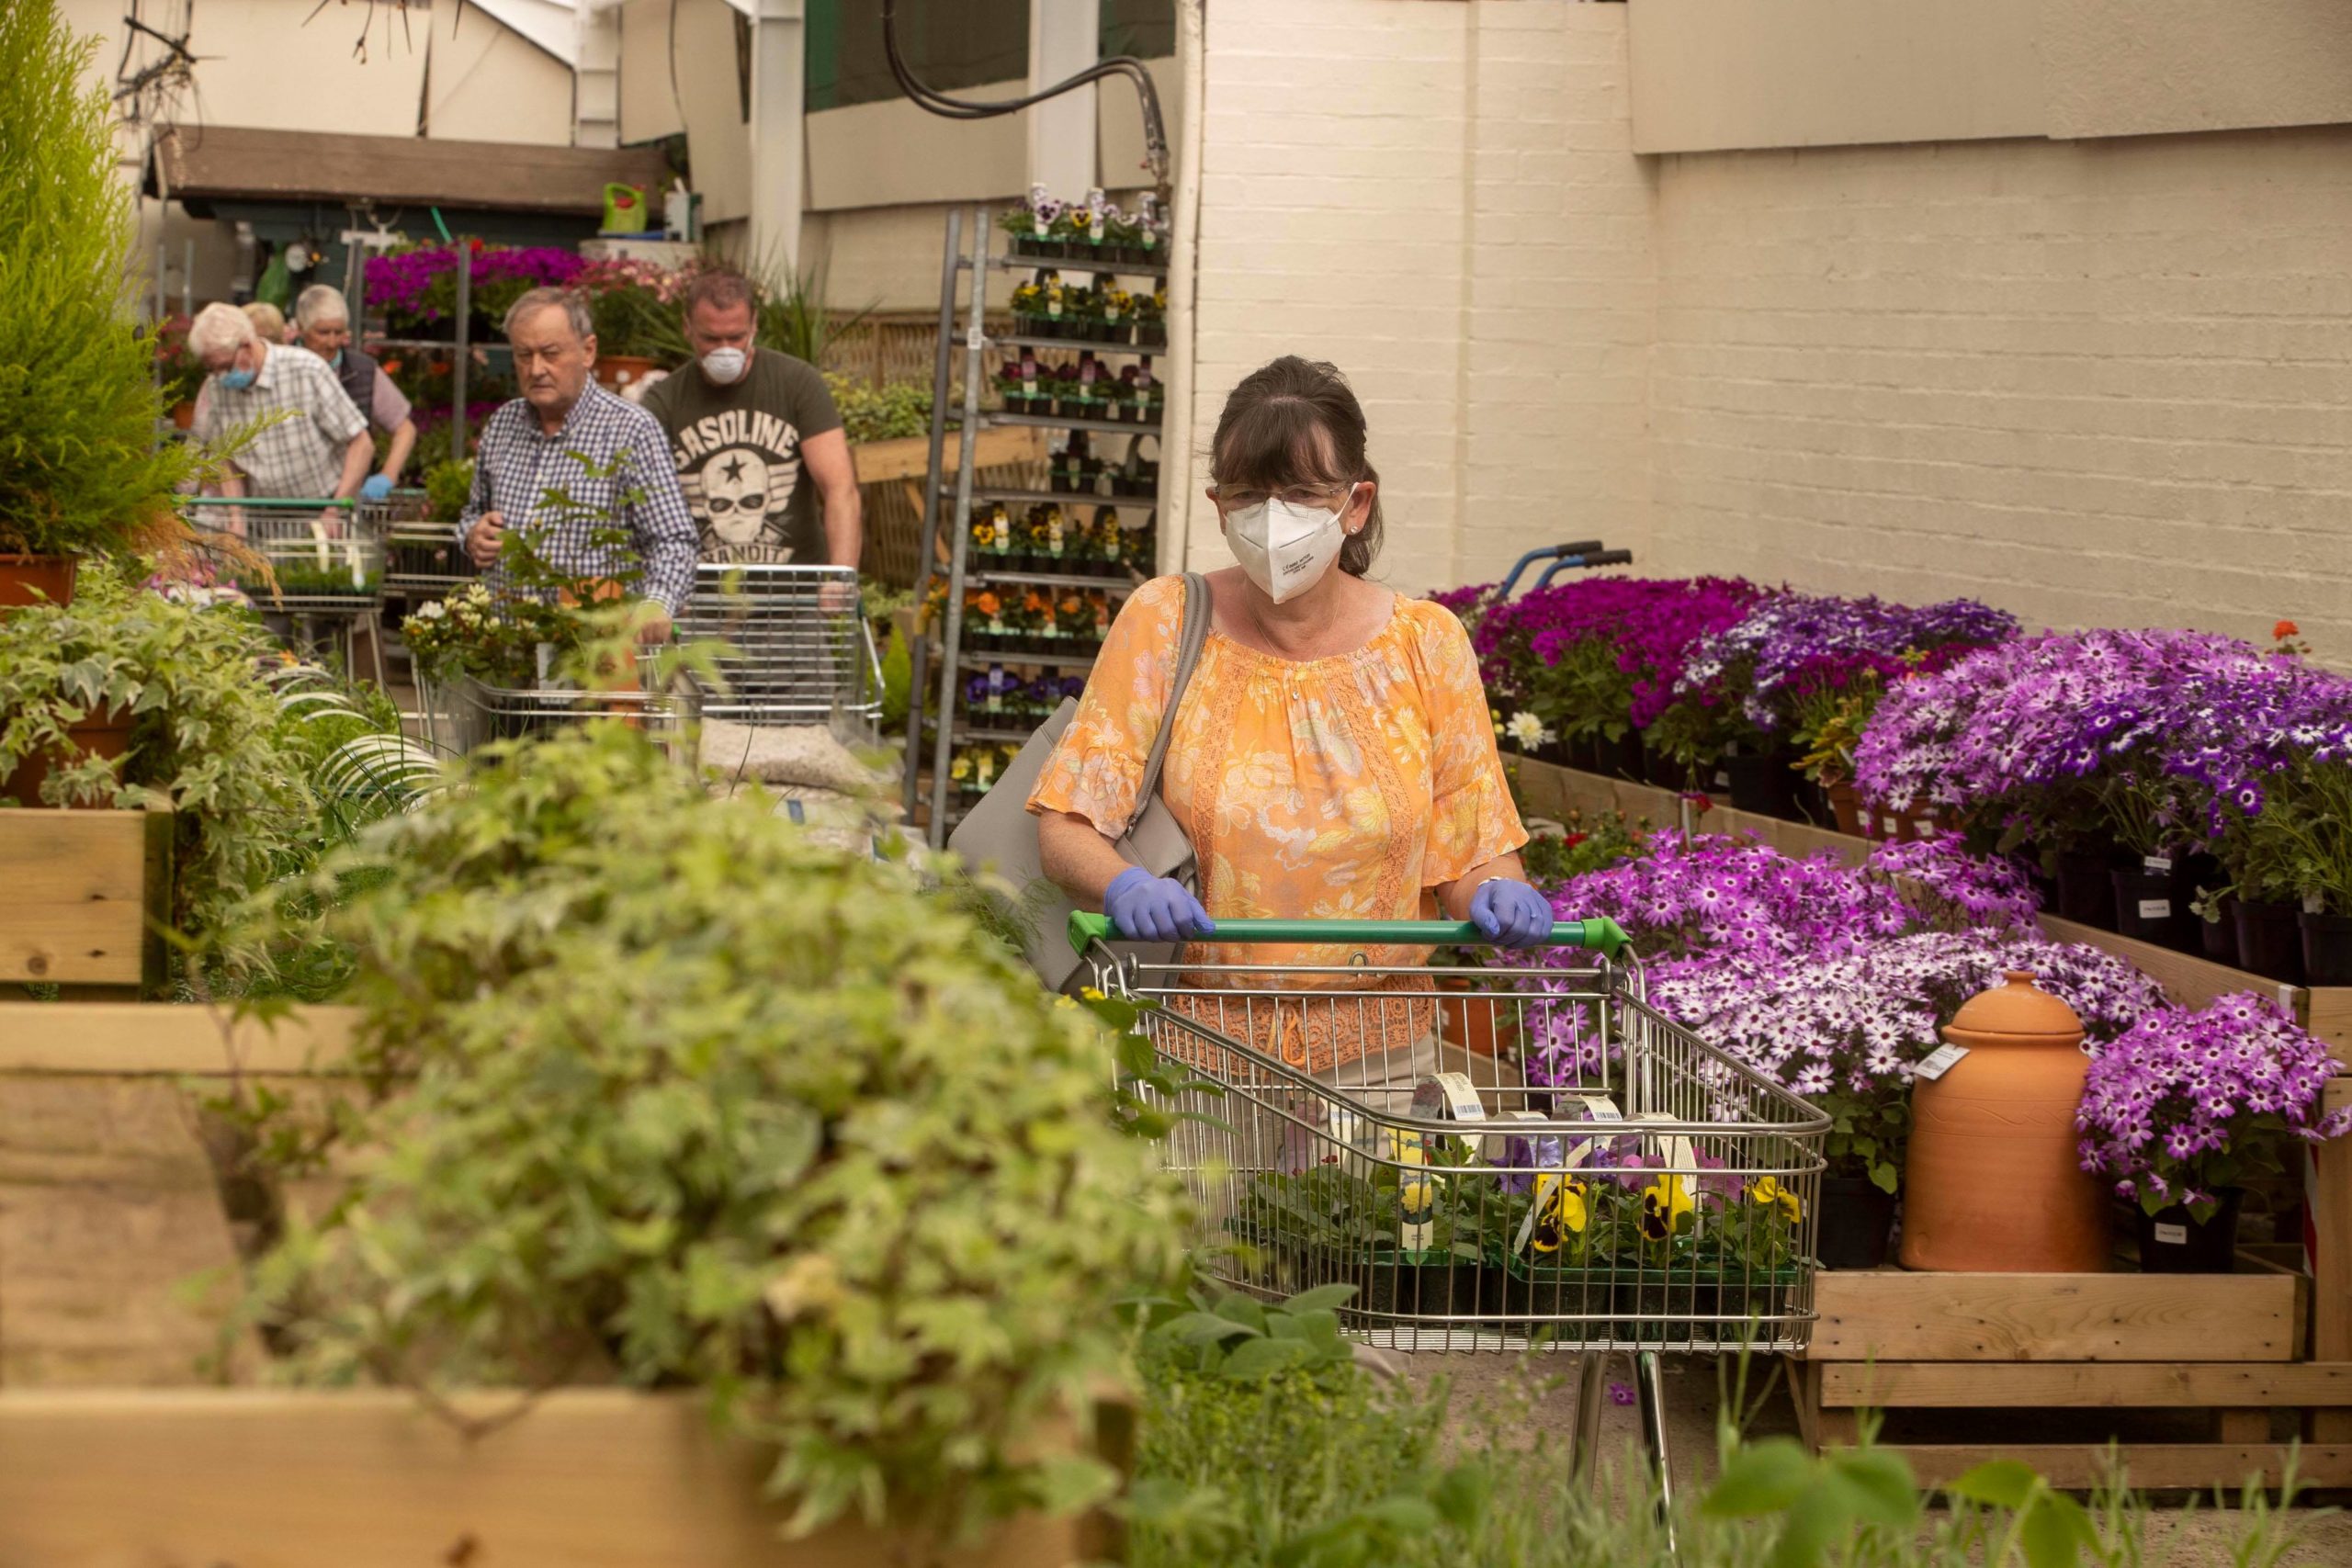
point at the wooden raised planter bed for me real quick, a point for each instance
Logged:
(82, 896)
(114, 1450)
(2227, 1343)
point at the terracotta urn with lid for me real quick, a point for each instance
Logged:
(1993, 1183)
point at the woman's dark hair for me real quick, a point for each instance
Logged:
(1296, 421)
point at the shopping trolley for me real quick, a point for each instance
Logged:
(799, 647)
(324, 561)
(467, 714)
(1651, 1194)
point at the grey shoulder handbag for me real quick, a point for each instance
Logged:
(999, 835)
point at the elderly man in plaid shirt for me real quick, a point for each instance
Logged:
(535, 445)
(312, 442)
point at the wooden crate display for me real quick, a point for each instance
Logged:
(2227, 1343)
(84, 893)
(114, 1450)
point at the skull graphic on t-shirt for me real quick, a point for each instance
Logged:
(741, 499)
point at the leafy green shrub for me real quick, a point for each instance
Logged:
(890, 412)
(206, 739)
(448, 487)
(81, 471)
(1251, 1455)
(663, 1085)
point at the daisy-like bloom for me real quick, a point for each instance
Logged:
(1528, 731)
(2185, 1103)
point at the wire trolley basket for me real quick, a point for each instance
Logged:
(800, 651)
(324, 556)
(425, 560)
(467, 714)
(1520, 1155)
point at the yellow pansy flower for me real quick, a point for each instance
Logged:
(1769, 1192)
(1664, 1203)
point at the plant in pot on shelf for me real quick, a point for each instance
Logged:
(2183, 1109)
(1032, 224)
(1029, 311)
(81, 472)
(1151, 319)
(891, 1259)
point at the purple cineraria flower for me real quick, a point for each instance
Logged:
(2184, 1104)
(1791, 644)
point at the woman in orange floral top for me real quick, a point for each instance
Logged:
(1333, 756)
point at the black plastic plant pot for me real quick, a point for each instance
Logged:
(1392, 1284)
(2086, 888)
(1763, 782)
(2270, 940)
(1622, 757)
(2327, 949)
(1563, 1303)
(1813, 802)
(2218, 939)
(2148, 908)
(1856, 1223)
(2171, 1242)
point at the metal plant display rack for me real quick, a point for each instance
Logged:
(940, 657)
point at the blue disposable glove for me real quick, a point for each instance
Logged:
(1510, 913)
(1143, 908)
(375, 487)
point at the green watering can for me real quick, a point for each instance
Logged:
(624, 210)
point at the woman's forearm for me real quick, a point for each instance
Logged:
(1077, 858)
(1454, 898)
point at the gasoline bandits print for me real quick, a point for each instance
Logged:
(739, 469)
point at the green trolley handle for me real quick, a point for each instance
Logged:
(1601, 933)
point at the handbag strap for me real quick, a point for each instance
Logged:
(1189, 642)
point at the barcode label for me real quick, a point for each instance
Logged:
(1938, 1062)
(2171, 1235)
(2155, 908)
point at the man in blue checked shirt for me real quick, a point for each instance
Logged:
(537, 443)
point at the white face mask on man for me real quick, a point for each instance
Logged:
(1286, 548)
(725, 366)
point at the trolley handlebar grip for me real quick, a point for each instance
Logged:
(1600, 933)
(1579, 548)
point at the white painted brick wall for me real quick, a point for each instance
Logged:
(2104, 381)
(2093, 382)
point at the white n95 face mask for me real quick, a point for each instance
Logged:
(725, 366)
(1283, 548)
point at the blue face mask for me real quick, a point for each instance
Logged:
(337, 360)
(237, 380)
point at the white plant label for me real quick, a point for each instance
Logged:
(2158, 865)
(1893, 825)
(2155, 908)
(1938, 1062)
(2171, 1235)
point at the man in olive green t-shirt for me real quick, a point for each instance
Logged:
(756, 439)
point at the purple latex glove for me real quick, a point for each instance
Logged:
(1143, 908)
(1511, 914)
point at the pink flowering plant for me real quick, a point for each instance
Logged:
(2187, 1104)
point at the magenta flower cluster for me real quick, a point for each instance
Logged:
(1650, 623)
(1790, 644)
(420, 284)
(2185, 1103)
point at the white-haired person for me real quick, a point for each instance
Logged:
(569, 462)
(307, 437)
(323, 322)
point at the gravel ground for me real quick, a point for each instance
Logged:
(2181, 1537)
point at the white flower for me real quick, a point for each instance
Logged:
(431, 611)
(1528, 730)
